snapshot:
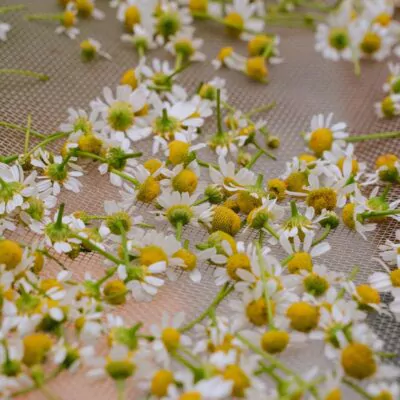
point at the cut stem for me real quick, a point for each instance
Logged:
(323, 236)
(265, 107)
(22, 129)
(27, 134)
(7, 9)
(254, 159)
(23, 72)
(373, 136)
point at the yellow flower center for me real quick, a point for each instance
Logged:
(47, 284)
(68, 19)
(258, 44)
(322, 198)
(121, 116)
(274, 341)
(358, 361)
(321, 140)
(234, 24)
(225, 220)
(132, 17)
(152, 165)
(235, 262)
(256, 68)
(178, 152)
(216, 238)
(115, 292)
(371, 43)
(120, 370)
(247, 202)
(354, 165)
(383, 19)
(36, 347)
(395, 275)
(296, 181)
(190, 396)
(185, 181)
(152, 254)
(10, 253)
(388, 107)
(189, 259)
(303, 316)
(335, 394)
(240, 380)
(90, 143)
(149, 190)
(384, 395)
(84, 7)
(257, 312)
(39, 262)
(129, 78)
(185, 48)
(368, 295)
(300, 261)
(277, 188)
(160, 382)
(171, 338)
(316, 285)
(348, 215)
(224, 53)
(307, 158)
(198, 6)
(339, 38)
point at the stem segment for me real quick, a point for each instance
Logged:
(22, 72)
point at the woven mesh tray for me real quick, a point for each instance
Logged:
(303, 85)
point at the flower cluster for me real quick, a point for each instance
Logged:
(282, 298)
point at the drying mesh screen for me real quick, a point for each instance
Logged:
(303, 85)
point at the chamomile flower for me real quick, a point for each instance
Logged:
(389, 107)
(183, 179)
(379, 12)
(388, 281)
(323, 135)
(382, 389)
(185, 46)
(121, 114)
(80, 122)
(350, 217)
(208, 90)
(70, 357)
(168, 338)
(365, 295)
(387, 169)
(68, 21)
(229, 58)
(134, 12)
(90, 48)
(392, 85)
(180, 208)
(142, 37)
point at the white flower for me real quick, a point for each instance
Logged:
(388, 281)
(394, 77)
(67, 26)
(80, 122)
(96, 47)
(390, 251)
(389, 107)
(379, 389)
(4, 29)
(183, 43)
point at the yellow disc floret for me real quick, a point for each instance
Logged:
(171, 338)
(152, 254)
(115, 292)
(178, 152)
(36, 347)
(198, 6)
(185, 181)
(234, 24)
(10, 253)
(367, 295)
(322, 199)
(277, 188)
(224, 53)
(371, 43)
(225, 220)
(189, 259)
(348, 215)
(258, 44)
(160, 382)
(321, 140)
(358, 361)
(240, 380)
(247, 202)
(300, 261)
(256, 68)
(149, 190)
(257, 313)
(303, 316)
(129, 78)
(152, 165)
(90, 143)
(235, 262)
(274, 341)
(132, 17)
(296, 181)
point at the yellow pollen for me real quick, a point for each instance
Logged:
(258, 44)
(321, 140)
(132, 17)
(247, 202)
(257, 313)
(160, 382)
(90, 143)
(10, 253)
(348, 215)
(143, 111)
(322, 198)
(383, 19)
(149, 190)
(277, 188)
(303, 316)
(185, 181)
(358, 361)
(300, 261)
(335, 394)
(152, 165)
(234, 24)
(36, 347)
(225, 220)
(171, 338)
(240, 380)
(39, 262)
(235, 262)
(224, 53)
(256, 68)
(115, 292)
(296, 181)
(152, 254)
(178, 152)
(84, 7)
(189, 259)
(190, 396)
(384, 395)
(395, 275)
(274, 342)
(68, 19)
(371, 43)
(307, 158)
(198, 6)
(368, 295)
(129, 78)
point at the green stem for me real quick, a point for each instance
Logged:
(356, 388)
(373, 136)
(7, 9)
(51, 257)
(370, 214)
(125, 176)
(178, 232)
(271, 230)
(141, 51)
(41, 77)
(178, 61)
(206, 164)
(323, 236)
(254, 159)
(9, 159)
(120, 385)
(386, 191)
(27, 134)
(184, 362)
(200, 201)
(87, 154)
(124, 243)
(58, 224)
(265, 107)
(286, 260)
(267, 153)
(225, 291)
(44, 17)
(22, 129)
(293, 208)
(47, 393)
(48, 140)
